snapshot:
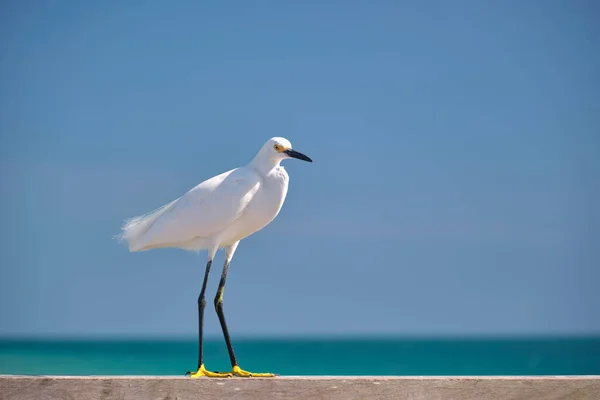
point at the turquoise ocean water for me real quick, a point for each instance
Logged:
(307, 356)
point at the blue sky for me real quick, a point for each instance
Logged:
(454, 189)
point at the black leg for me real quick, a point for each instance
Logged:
(201, 305)
(219, 309)
(236, 370)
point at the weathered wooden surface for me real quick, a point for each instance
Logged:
(330, 388)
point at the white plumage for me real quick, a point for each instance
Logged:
(218, 213)
(221, 210)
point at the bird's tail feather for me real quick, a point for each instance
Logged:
(134, 229)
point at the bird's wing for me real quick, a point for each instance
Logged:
(205, 210)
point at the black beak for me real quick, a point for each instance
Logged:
(296, 154)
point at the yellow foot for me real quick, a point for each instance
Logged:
(237, 371)
(210, 374)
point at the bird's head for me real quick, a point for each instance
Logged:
(279, 148)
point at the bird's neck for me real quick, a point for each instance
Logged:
(264, 165)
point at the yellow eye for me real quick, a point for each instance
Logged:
(278, 147)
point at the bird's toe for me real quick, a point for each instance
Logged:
(203, 372)
(237, 371)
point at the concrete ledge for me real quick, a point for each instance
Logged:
(309, 387)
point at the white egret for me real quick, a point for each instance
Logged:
(216, 214)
